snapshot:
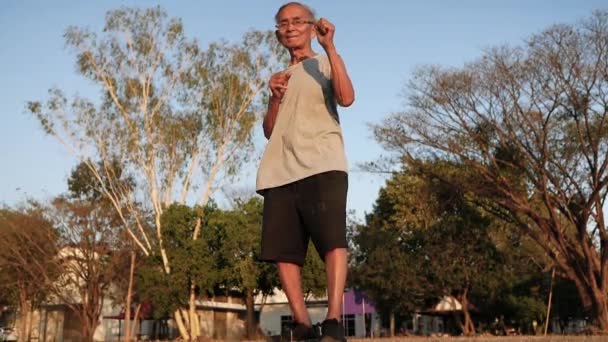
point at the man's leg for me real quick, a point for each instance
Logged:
(285, 242)
(335, 270)
(289, 274)
(322, 207)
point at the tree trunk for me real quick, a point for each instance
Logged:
(128, 299)
(181, 324)
(127, 336)
(250, 319)
(468, 328)
(88, 312)
(136, 322)
(87, 333)
(601, 313)
(22, 329)
(31, 324)
(195, 329)
(91, 308)
(593, 296)
(24, 316)
(468, 323)
(547, 320)
(392, 324)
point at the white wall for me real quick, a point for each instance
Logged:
(270, 317)
(428, 325)
(374, 326)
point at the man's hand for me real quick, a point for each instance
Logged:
(278, 84)
(325, 33)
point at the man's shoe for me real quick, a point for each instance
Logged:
(301, 332)
(332, 331)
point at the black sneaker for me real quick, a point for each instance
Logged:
(301, 332)
(332, 331)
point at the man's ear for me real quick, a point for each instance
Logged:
(276, 34)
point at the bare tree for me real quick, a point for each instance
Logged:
(530, 123)
(178, 118)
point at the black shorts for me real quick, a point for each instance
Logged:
(312, 208)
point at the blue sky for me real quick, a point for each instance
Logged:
(380, 41)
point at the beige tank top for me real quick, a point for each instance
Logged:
(306, 139)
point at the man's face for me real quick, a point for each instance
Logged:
(295, 27)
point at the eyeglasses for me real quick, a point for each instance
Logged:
(284, 25)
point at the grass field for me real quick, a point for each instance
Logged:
(556, 338)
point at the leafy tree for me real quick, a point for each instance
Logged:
(190, 259)
(431, 240)
(462, 261)
(27, 261)
(314, 280)
(70, 251)
(237, 233)
(85, 190)
(386, 259)
(90, 250)
(235, 236)
(90, 255)
(524, 279)
(463, 258)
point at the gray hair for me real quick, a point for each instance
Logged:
(305, 7)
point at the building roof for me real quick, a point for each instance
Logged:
(355, 302)
(447, 305)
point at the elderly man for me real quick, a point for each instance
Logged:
(303, 172)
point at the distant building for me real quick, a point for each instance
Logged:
(360, 318)
(439, 319)
(221, 317)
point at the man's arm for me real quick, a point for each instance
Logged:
(271, 116)
(343, 87)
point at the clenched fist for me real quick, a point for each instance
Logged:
(278, 84)
(325, 33)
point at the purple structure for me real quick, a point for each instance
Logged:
(356, 303)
